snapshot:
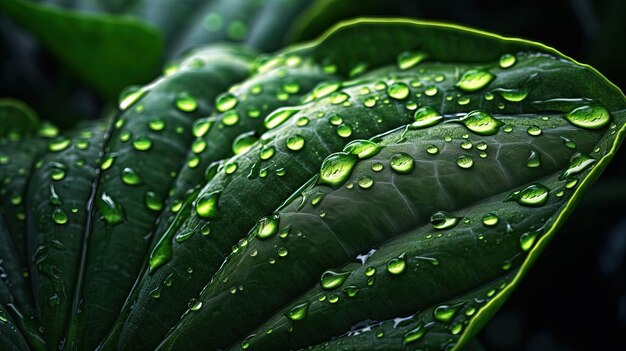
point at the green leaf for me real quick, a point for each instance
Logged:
(10, 337)
(109, 52)
(141, 156)
(58, 194)
(525, 89)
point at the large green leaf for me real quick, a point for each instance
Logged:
(536, 85)
(385, 187)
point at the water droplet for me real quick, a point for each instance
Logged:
(332, 280)
(466, 145)
(198, 145)
(142, 143)
(230, 118)
(432, 149)
(111, 211)
(578, 163)
(425, 117)
(154, 201)
(569, 143)
(344, 130)
(186, 102)
(57, 172)
(59, 216)
(443, 220)
(244, 142)
(336, 169)
(532, 195)
(534, 130)
(534, 160)
(351, 290)
(490, 219)
(131, 177)
(196, 305)
(592, 116)
(481, 122)
(475, 79)
(267, 227)
(326, 88)
(338, 97)
(295, 142)
(408, 59)
(366, 182)
(431, 90)
(415, 334)
(156, 124)
(465, 161)
(225, 101)
(59, 144)
(527, 240)
(398, 91)
(201, 127)
(513, 95)
(183, 236)
(402, 163)
(279, 116)
(397, 265)
(507, 60)
(370, 271)
(302, 121)
(445, 313)
(363, 149)
(298, 312)
(207, 205)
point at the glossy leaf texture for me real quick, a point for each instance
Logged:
(384, 187)
(433, 73)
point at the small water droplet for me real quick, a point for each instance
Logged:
(490, 219)
(534, 130)
(534, 160)
(154, 201)
(366, 182)
(142, 143)
(111, 211)
(201, 127)
(225, 101)
(363, 149)
(59, 216)
(398, 91)
(408, 59)
(527, 240)
(186, 103)
(507, 60)
(432, 149)
(344, 130)
(425, 117)
(415, 334)
(131, 177)
(445, 313)
(244, 142)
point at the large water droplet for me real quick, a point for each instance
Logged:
(445, 313)
(402, 163)
(592, 116)
(298, 312)
(475, 79)
(578, 163)
(131, 177)
(111, 211)
(425, 117)
(244, 142)
(186, 102)
(336, 169)
(332, 280)
(443, 220)
(481, 122)
(59, 216)
(267, 227)
(279, 116)
(225, 102)
(532, 195)
(362, 148)
(207, 205)
(295, 142)
(397, 265)
(398, 91)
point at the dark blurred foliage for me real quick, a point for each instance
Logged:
(574, 298)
